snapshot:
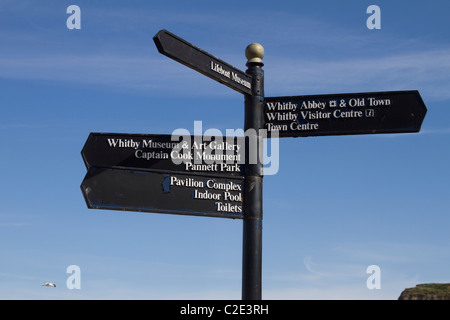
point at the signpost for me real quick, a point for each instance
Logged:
(341, 114)
(146, 173)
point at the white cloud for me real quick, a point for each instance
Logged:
(296, 63)
(426, 71)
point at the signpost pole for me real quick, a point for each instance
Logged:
(252, 224)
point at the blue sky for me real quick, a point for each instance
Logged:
(336, 206)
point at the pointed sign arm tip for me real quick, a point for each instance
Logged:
(157, 41)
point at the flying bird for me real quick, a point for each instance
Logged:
(48, 284)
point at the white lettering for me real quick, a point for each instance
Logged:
(374, 280)
(208, 311)
(74, 21)
(347, 114)
(227, 186)
(243, 82)
(218, 68)
(313, 105)
(303, 126)
(379, 102)
(74, 280)
(186, 182)
(206, 195)
(374, 21)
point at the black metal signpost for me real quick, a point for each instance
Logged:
(166, 174)
(163, 192)
(147, 173)
(193, 154)
(340, 114)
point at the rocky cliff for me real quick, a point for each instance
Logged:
(428, 291)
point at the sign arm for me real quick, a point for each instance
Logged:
(207, 64)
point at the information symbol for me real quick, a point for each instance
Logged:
(370, 113)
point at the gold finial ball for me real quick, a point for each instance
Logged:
(254, 52)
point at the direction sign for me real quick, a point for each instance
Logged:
(176, 193)
(223, 156)
(193, 57)
(341, 114)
